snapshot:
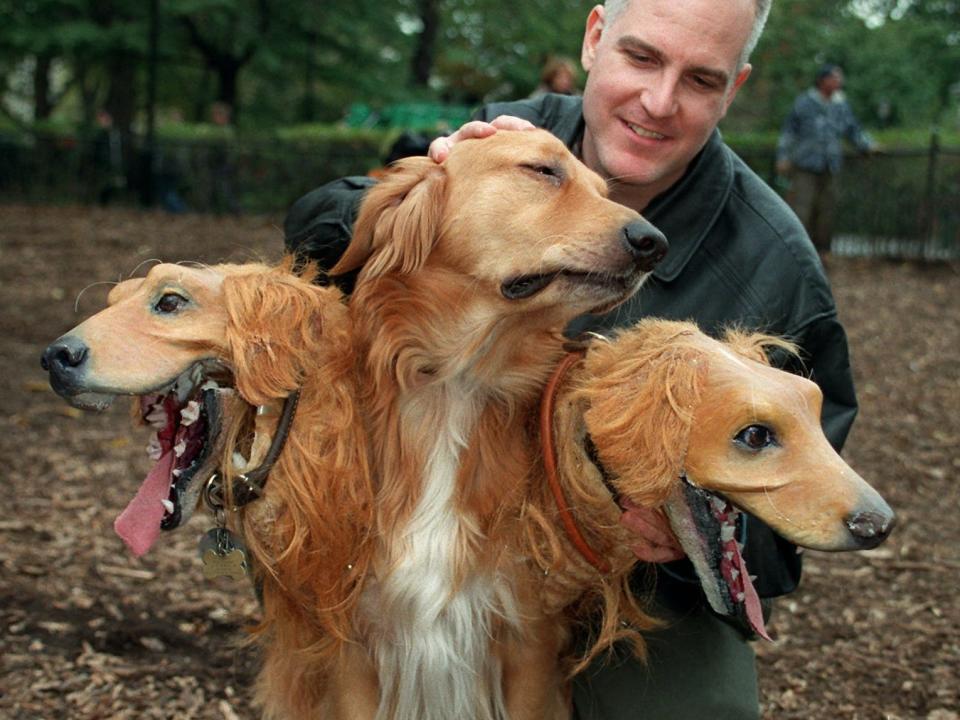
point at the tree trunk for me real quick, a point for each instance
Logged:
(422, 65)
(42, 105)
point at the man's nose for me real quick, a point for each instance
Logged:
(659, 98)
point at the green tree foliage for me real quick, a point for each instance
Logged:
(294, 61)
(901, 57)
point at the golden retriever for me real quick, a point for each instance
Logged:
(470, 272)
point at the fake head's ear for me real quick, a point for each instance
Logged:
(399, 220)
(277, 326)
(766, 349)
(641, 391)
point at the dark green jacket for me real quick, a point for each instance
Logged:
(738, 256)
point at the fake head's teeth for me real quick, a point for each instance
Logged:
(154, 451)
(727, 533)
(180, 448)
(157, 417)
(168, 506)
(643, 132)
(190, 413)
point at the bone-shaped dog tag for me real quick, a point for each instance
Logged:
(223, 554)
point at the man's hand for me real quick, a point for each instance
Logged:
(654, 541)
(440, 148)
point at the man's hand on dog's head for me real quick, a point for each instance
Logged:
(440, 148)
(654, 541)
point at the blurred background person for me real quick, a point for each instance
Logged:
(559, 75)
(810, 151)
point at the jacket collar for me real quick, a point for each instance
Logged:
(687, 211)
(684, 213)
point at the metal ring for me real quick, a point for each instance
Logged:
(213, 493)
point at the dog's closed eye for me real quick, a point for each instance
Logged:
(170, 303)
(551, 173)
(756, 438)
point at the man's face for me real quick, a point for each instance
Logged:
(831, 83)
(662, 74)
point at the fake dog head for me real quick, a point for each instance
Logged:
(701, 428)
(505, 227)
(187, 340)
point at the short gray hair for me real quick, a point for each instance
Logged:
(761, 12)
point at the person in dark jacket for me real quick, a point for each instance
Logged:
(661, 74)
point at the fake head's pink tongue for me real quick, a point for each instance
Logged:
(750, 600)
(139, 524)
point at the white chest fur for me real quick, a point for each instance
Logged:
(436, 661)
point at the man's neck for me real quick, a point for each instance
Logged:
(634, 196)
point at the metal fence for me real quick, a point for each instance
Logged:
(903, 203)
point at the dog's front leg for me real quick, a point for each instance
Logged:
(533, 683)
(353, 691)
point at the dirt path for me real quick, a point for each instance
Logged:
(88, 632)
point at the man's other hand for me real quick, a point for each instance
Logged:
(653, 539)
(440, 148)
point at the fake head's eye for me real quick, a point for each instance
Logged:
(170, 303)
(756, 437)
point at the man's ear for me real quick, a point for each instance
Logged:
(399, 220)
(739, 80)
(591, 36)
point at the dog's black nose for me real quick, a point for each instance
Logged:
(647, 244)
(65, 356)
(870, 528)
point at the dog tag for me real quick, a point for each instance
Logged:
(223, 554)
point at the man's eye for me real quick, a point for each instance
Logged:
(756, 437)
(704, 82)
(170, 303)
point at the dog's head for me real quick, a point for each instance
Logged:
(197, 346)
(514, 221)
(703, 428)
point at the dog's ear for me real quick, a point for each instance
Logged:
(399, 220)
(641, 391)
(279, 325)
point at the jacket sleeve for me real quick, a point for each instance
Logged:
(854, 132)
(788, 133)
(826, 358)
(318, 226)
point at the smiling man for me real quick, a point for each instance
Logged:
(661, 75)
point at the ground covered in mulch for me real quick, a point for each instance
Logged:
(90, 632)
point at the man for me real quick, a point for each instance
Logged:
(810, 151)
(661, 75)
